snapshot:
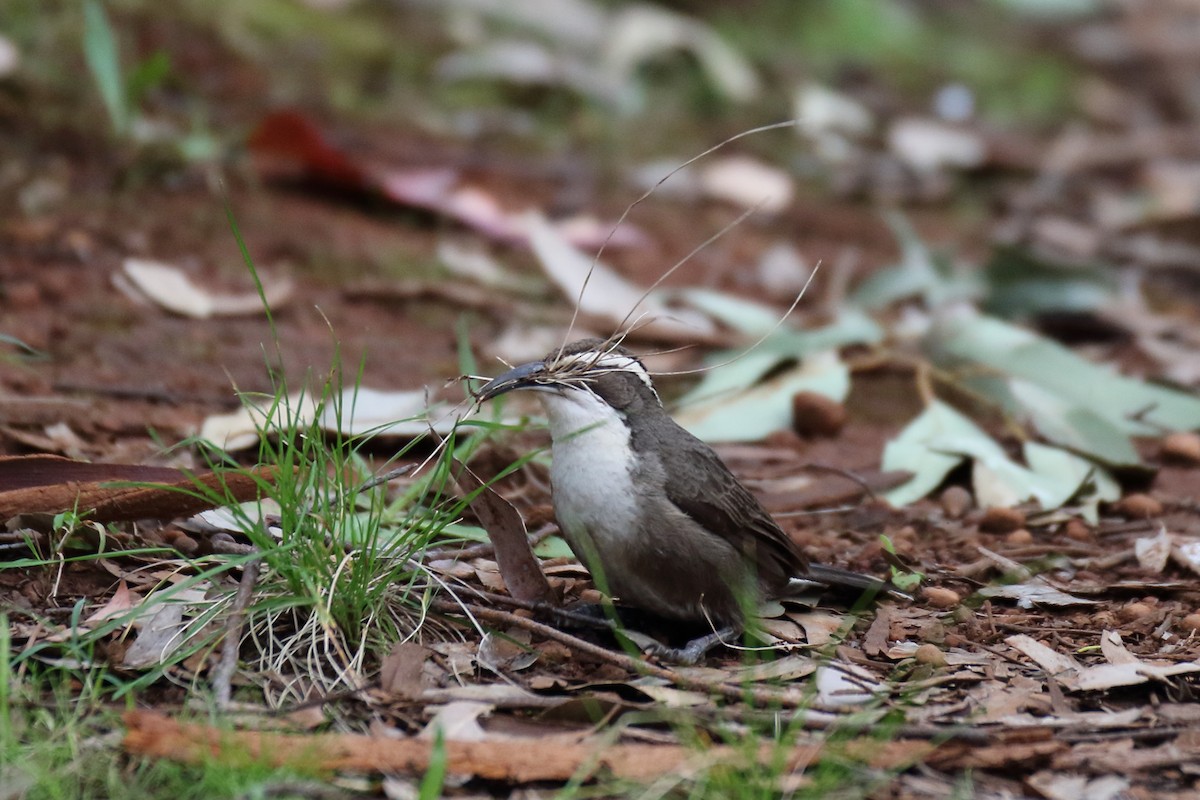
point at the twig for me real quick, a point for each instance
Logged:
(485, 549)
(223, 677)
(384, 478)
(727, 691)
(563, 614)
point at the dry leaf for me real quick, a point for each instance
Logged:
(159, 637)
(400, 673)
(358, 411)
(608, 296)
(458, 721)
(522, 573)
(1153, 551)
(748, 182)
(1035, 592)
(845, 685)
(1186, 553)
(170, 288)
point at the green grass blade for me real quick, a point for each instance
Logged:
(100, 49)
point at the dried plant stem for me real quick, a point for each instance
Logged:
(729, 691)
(223, 677)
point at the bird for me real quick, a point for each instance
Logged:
(655, 515)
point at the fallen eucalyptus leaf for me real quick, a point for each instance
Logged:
(1035, 592)
(359, 411)
(601, 292)
(171, 289)
(761, 409)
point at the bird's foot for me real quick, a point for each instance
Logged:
(693, 651)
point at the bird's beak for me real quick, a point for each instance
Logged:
(520, 377)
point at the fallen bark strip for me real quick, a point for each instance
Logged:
(48, 483)
(156, 735)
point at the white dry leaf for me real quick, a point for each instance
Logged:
(1035, 592)
(780, 630)
(845, 685)
(642, 32)
(171, 289)
(788, 668)
(955, 657)
(1114, 649)
(501, 653)
(159, 637)
(1127, 671)
(608, 295)
(669, 697)
(990, 490)
(589, 232)
(66, 440)
(1058, 785)
(782, 271)
(928, 145)
(1089, 720)
(819, 626)
(1153, 551)
(1133, 673)
(473, 262)
(1052, 662)
(832, 120)
(528, 63)
(575, 24)
(242, 517)
(10, 57)
(820, 110)
(520, 342)
(667, 179)
(359, 411)
(459, 722)
(1186, 553)
(748, 182)
(395, 787)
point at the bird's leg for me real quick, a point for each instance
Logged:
(696, 649)
(584, 615)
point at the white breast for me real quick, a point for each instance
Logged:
(591, 470)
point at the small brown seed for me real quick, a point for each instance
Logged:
(930, 654)
(956, 501)
(1181, 448)
(940, 597)
(1139, 506)
(185, 544)
(816, 416)
(1135, 611)
(1078, 531)
(1019, 537)
(1001, 520)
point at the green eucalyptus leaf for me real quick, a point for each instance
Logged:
(750, 411)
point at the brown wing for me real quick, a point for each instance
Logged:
(701, 486)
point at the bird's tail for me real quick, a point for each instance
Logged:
(845, 582)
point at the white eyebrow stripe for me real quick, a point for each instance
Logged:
(615, 361)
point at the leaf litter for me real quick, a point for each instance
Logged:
(1084, 666)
